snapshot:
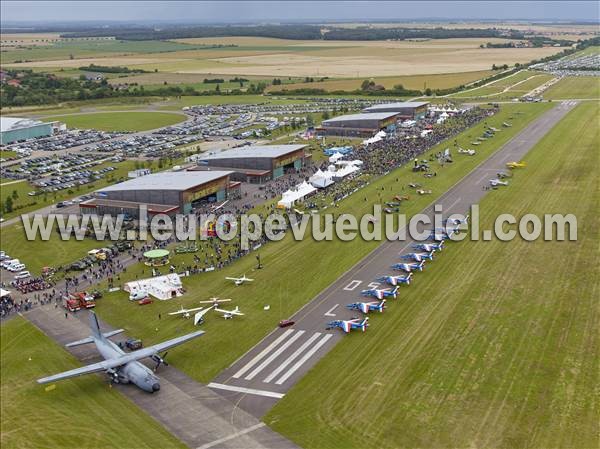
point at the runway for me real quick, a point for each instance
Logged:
(261, 377)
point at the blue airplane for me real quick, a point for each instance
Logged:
(457, 221)
(366, 307)
(429, 247)
(409, 267)
(348, 325)
(396, 280)
(381, 293)
(418, 257)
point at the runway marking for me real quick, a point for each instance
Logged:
(273, 356)
(454, 203)
(268, 394)
(292, 357)
(328, 313)
(306, 356)
(263, 353)
(374, 285)
(352, 285)
(481, 179)
(232, 436)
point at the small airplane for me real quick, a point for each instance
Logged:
(429, 247)
(424, 192)
(381, 293)
(417, 257)
(199, 316)
(409, 267)
(494, 129)
(514, 164)
(475, 143)
(396, 280)
(503, 174)
(468, 151)
(366, 307)
(122, 367)
(186, 312)
(496, 182)
(445, 231)
(506, 124)
(348, 325)
(457, 221)
(228, 314)
(240, 281)
(214, 301)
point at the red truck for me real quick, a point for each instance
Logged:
(86, 300)
(71, 304)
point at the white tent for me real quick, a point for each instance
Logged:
(376, 138)
(4, 293)
(335, 157)
(298, 193)
(161, 287)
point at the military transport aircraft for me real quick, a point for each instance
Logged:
(240, 281)
(121, 366)
(396, 280)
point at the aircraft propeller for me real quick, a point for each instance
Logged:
(160, 360)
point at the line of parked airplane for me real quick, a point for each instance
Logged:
(425, 253)
(200, 312)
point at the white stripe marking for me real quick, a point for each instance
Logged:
(269, 394)
(273, 356)
(263, 353)
(306, 356)
(292, 357)
(329, 312)
(232, 436)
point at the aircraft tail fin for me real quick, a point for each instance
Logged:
(87, 340)
(95, 326)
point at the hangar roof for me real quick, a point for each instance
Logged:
(372, 116)
(398, 105)
(271, 151)
(181, 180)
(12, 123)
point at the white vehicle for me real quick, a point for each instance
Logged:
(6, 262)
(137, 296)
(16, 267)
(23, 275)
(228, 314)
(240, 281)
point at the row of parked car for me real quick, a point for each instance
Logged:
(42, 166)
(14, 266)
(61, 141)
(149, 145)
(70, 180)
(97, 255)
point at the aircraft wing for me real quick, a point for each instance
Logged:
(234, 279)
(93, 368)
(151, 350)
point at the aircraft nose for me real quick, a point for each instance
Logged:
(155, 387)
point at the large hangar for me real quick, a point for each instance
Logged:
(406, 110)
(13, 129)
(166, 192)
(257, 163)
(358, 125)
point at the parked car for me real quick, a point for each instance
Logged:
(286, 323)
(143, 302)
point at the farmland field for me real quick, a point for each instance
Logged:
(575, 87)
(494, 346)
(119, 121)
(86, 405)
(266, 57)
(294, 272)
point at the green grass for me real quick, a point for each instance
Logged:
(5, 154)
(495, 346)
(294, 271)
(119, 121)
(574, 87)
(494, 90)
(78, 414)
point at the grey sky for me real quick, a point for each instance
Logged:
(251, 11)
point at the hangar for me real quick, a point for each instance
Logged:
(163, 193)
(358, 125)
(255, 163)
(13, 129)
(406, 110)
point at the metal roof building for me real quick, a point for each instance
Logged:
(405, 109)
(13, 129)
(256, 163)
(165, 192)
(358, 125)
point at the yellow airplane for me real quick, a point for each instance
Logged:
(516, 164)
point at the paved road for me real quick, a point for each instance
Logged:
(263, 375)
(189, 410)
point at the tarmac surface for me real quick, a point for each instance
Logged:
(189, 410)
(264, 374)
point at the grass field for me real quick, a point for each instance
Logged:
(574, 87)
(494, 346)
(294, 272)
(509, 87)
(81, 414)
(264, 57)
(418, 82)
(119, 121)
